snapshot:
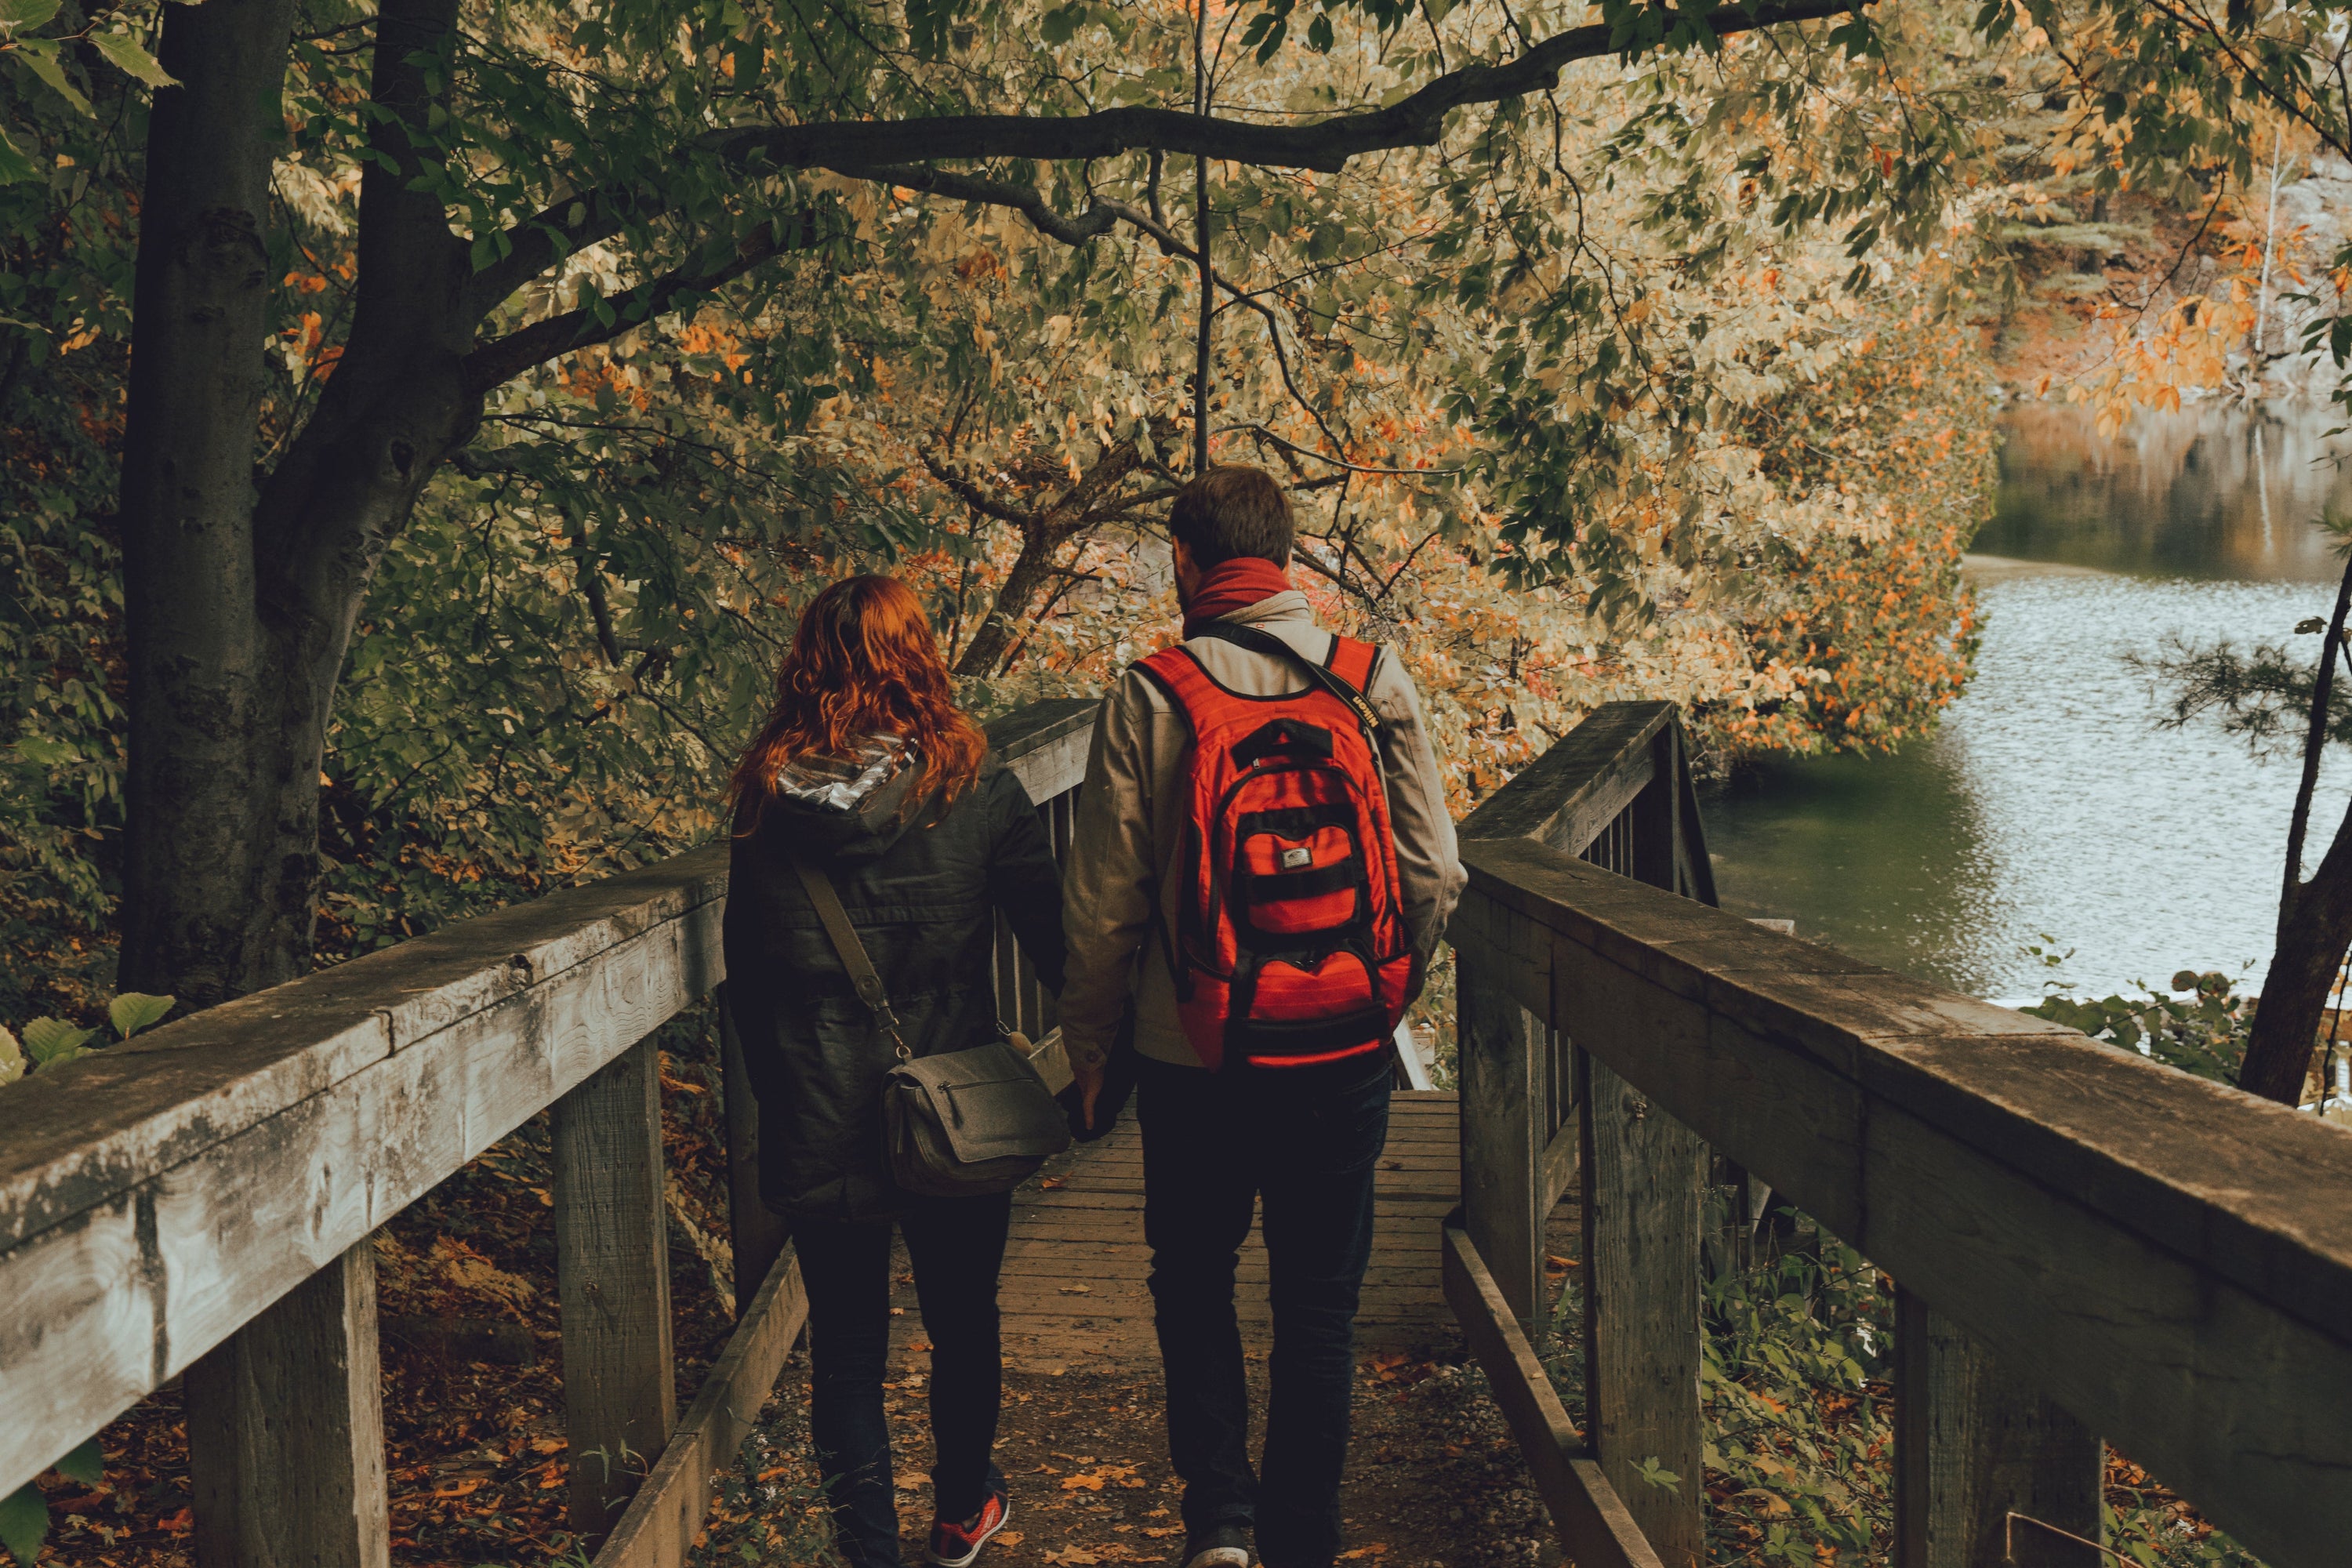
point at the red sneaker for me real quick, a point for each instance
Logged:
(957, 1545)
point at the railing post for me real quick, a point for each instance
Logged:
(1643, 1173)
(620, 1398)
(755, 1232)
(1500, 1062)
(1973, 1446)
(286, 1431)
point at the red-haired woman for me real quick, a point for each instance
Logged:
(867, 769)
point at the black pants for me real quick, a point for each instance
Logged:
(1308, 1141)
(957, 1246)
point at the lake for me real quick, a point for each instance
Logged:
(2050, 802)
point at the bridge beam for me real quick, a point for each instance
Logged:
(1644, 1175)
(620, 1394)
(1987, 1472)
(286, 1431)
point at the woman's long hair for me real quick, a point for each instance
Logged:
(863, 662)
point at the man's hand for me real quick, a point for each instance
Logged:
(1089, 1079)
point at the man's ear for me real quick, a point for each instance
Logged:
(1187, 574)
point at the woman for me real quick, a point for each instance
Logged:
(869, 770)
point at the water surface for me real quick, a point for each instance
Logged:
(2050, 802)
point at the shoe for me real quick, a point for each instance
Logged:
(1220, 1546)
(956, 1545)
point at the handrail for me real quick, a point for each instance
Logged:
(2086, 1241)
(166, 1197)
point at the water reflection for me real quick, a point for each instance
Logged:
(2208, 492)
(2049, 802)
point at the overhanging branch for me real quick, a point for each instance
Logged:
(1415, 121)
(860, 148)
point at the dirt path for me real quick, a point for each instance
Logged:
(1434, 1481)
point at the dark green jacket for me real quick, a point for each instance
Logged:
(923, 889)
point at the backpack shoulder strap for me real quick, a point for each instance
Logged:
(1332, 676)
(1353, 662)
(842, 934)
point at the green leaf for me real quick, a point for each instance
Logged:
(40, 57)
(84, 1464)
(133, 1011)
(45, 753)
(23, 16)
(12, 1059)
(23, 1520)
(15, 167)
(131, 57)
(49, 1040)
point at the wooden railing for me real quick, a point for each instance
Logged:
(2086, 1242)
(201, 1200)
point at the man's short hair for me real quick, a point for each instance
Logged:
(1233, 511)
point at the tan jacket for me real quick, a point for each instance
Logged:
(1129, 815)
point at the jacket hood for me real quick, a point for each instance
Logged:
(848, 808)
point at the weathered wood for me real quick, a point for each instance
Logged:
(1694, 870)
(114, 1302)
(74, 1137)
(612, 1250)
(1596, 1529)
(658, 1529)
(286, 1431)
(755, 1233)
(153, 1222)
(1045, 744)
(2139, 1245)
(1974, 1446)
(1565, 797)
(1412, 1070)
(1499, 1052)
(1561, 1159)
(1642, 1175)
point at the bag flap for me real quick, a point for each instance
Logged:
(988, 1102)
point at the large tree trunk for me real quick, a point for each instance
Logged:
(240, 607)
(197, 907)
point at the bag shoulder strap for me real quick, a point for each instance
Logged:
(850, 951)
(1322, 674)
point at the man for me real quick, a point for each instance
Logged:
(1303, 1134)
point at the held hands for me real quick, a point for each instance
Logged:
(1088, 1078)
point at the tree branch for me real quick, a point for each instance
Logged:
(973, 496)
(1415, 121)
(501, 359)
(861, 148)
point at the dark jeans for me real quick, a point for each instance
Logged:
(1307, 1140)
(957, 1246)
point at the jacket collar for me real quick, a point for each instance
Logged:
(1291, 606)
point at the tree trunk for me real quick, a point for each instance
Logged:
(1031, 569)
(204, 762)
(2311, 945)
(2314, 921)
(240, 607)
(1043, 534)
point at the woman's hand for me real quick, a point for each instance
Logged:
(1089, 1081)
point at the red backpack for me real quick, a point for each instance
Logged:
(1290, 945)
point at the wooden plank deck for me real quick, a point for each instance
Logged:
(1074, 1288)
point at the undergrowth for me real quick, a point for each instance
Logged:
(1797, 1400)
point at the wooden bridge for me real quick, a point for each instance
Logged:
(2086, 1242)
